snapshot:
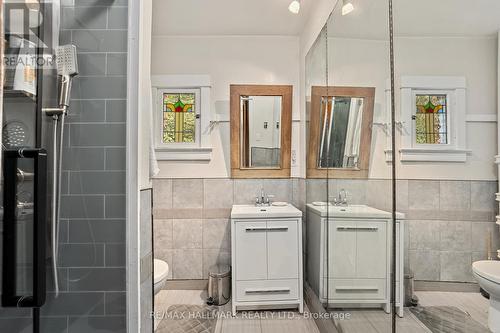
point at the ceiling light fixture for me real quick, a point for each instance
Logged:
(294, 6)
(347, 7)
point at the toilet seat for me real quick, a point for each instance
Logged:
(160, 270)
(487, 269)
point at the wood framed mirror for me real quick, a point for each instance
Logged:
(340, 132)
(261, 131)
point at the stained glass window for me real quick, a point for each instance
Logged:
(431, 123)
(179, 117)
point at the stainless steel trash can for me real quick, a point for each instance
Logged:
(219, 284)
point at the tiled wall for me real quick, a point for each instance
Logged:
(191, 218)
(92, 249)
(447, 221)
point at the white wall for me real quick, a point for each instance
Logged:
(228, 60)
(474, 58)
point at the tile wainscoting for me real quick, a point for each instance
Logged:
(447, 221)
(191, 218)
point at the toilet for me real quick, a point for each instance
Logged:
(487, 274)
(161, 273)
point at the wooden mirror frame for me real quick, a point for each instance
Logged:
(286, 93)
(368, 94)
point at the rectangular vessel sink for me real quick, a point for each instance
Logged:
(352, 211)
(264, 212)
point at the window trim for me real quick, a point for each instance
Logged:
(201, 150)
(455, 150)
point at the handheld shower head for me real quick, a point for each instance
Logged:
(66, 60)
(67, 68)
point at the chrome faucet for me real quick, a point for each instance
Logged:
(341, 200)
(263, 199)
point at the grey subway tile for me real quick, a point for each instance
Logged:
(116, 303)
(98, 135)
(97, 279)
(115, 207)
(97, 182)
(86, 324)
(78, 159)
(87, 111)
(115, 159)
(91, 64)
(81, 206)
(99, 87)
(116, 111)
(101, 231)
(83, 18)
(74, 304)
(100, 40)
(81, 255)
(116, 255)
(117, 18)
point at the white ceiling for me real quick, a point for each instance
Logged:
(418, 18)
(227, 17)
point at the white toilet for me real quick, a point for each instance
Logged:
(487, 274)
(161, 273)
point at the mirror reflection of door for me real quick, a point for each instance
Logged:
(340, 132)
(260, 131)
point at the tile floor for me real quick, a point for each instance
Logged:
(361, 321)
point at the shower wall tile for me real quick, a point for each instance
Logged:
(115, 255)
(97, 279)
(99, 135)
(115, 303)
(116, 64)
(83, 18)
(116, 111)
(74, 304)
(91, 64)
(97, 182)
(115, 159)
(100, 230)
(87, 111)
(85, 324)
(82, 206)
(100, 3)
(100, 87)
(100, 40)
(77, 159)
(115, 206)
(117, 18)
(81, 255)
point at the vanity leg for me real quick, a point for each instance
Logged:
(387, 307)
(301, 307)
(400, 311)
(233, 307)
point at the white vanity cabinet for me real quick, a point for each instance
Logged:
(266, 244)
(349, 260)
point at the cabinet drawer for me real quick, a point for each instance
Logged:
(267, 290)
(349, 289)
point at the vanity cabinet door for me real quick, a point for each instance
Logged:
(371, 250)
(251, 250)
(341, 248)
(283, 250)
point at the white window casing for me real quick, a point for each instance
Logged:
(200, 85)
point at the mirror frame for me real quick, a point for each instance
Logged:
(286, 93)
(317, 92)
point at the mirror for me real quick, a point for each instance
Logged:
(261, 119)
(260, 131)
(341, 127)
(340, 132)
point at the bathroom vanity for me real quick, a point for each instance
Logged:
(349, 251)
(266, 244)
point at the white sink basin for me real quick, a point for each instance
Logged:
(352, 211)
(263, 212)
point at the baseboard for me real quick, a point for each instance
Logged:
(186, 285)
(315, 306)
(466, 287)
